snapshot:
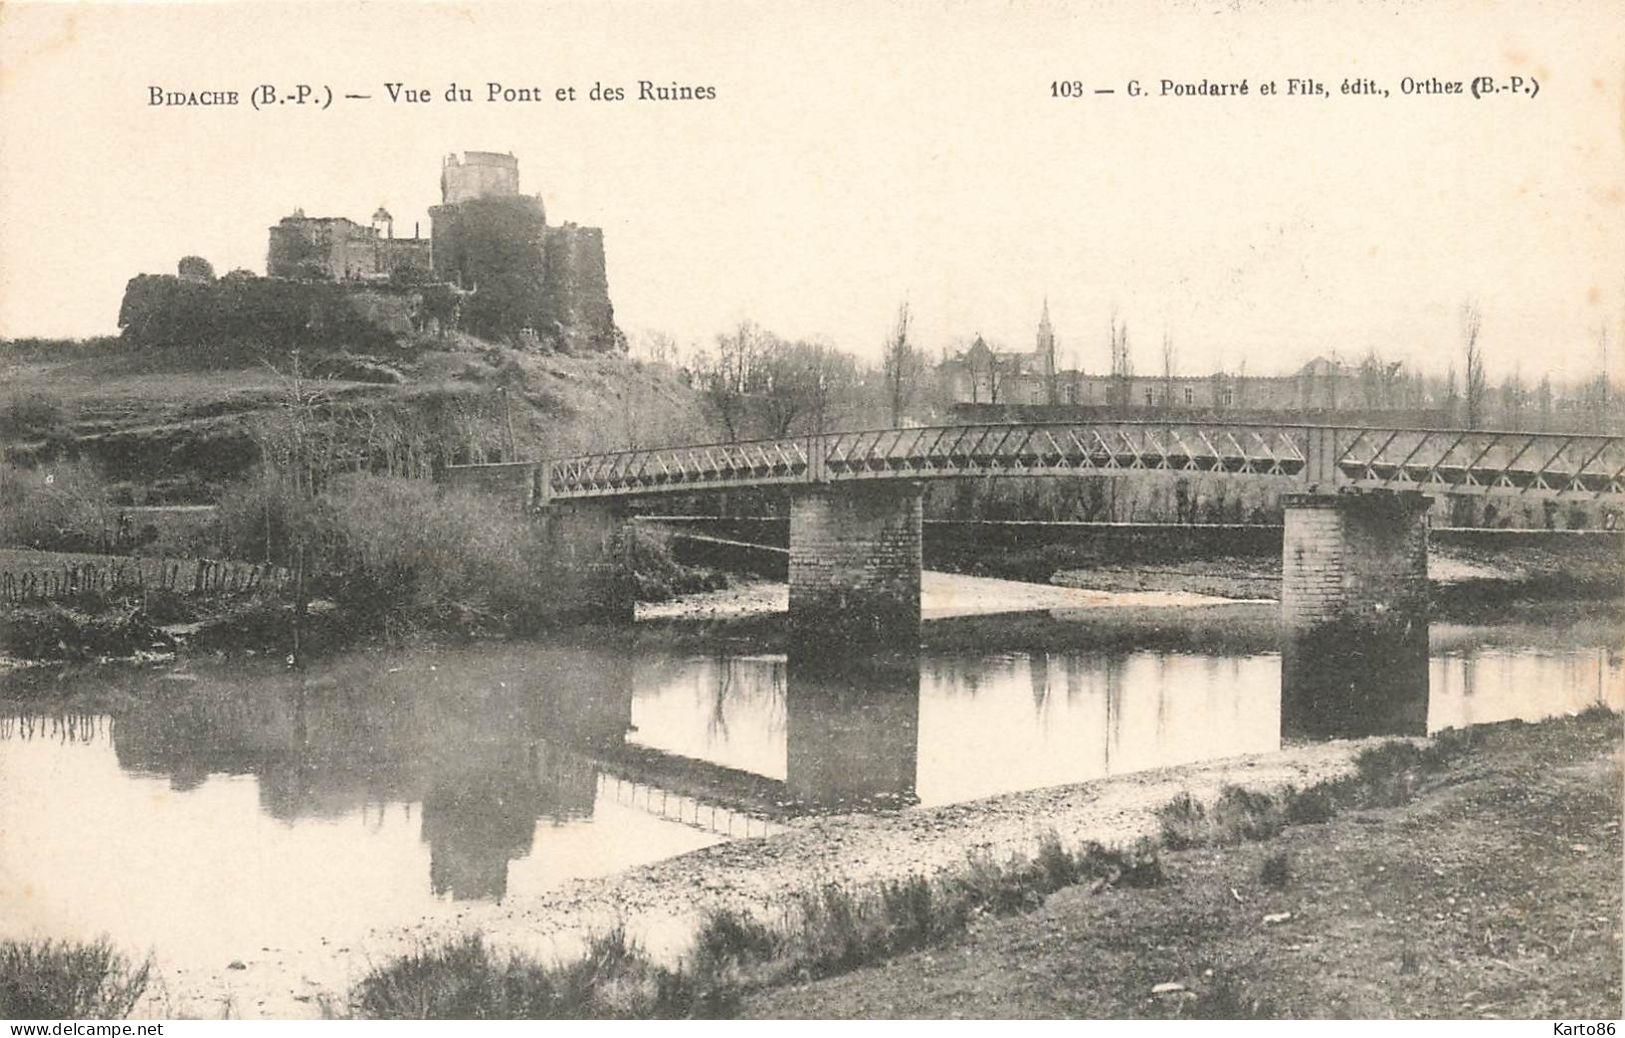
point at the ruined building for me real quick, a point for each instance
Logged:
(522, 278)
(337, 247)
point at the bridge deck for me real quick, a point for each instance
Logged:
(1328, 457)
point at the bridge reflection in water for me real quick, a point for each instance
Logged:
(1339, 683)
(531, 764)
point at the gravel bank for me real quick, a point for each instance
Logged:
(661, 902)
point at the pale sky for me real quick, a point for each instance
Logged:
(860, 154)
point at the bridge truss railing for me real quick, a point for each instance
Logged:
(1482, 462)
(1329, 457)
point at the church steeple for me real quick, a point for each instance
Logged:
(1046, 344)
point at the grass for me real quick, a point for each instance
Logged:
(42, 980)
(824, 932)
(1385, 775)
(838, 929)
(465, 979)
(1494, 893)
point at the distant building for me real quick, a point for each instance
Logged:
(980, 375)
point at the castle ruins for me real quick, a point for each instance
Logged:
(521, 276)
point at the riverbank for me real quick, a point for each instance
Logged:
(663, 904)
(1495, 893)
(1485, 883)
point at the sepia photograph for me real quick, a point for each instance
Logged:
(717, 509)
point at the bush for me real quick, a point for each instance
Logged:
(56, 507)
(89, 630)
(44, 980)
(465, 980)
(1276, 871)
(826, 931)
(434, 556)
(656, 573)
(33, 416)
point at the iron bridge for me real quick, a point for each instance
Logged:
(1326, 458)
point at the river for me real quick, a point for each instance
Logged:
(203, 810)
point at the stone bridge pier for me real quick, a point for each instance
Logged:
(1354, 600)
(588, 564)
(855, 565)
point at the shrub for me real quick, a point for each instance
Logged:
(1242, 814)
(463, 979)
(32, 416)
(42, 980)
(1276, 871)
(1313, 806)
(728, 937)
(58, 507)
(431, 555)
(656, 573)
(1184, 823)
(826, 931)
(53, 631)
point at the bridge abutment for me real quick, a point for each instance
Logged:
(1354, 602)
(589, 564)
(855, 563)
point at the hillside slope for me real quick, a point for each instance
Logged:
(174, 430)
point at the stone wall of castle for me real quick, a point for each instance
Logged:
(339, 249)
(576, 311)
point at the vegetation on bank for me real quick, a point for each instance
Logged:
(46, 980)
(838, 929)
(1494, 893)
(823, 932)
(392, 557)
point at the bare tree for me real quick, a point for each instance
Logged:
(1122, 363)
(1512, 399)
(996, 376)
(1602, 375)
(1168, 360)
(802, 381)
(1472, 321)
(726, 377)
(901, 367)
(655, 346)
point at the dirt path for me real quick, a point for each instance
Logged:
(1497, 893)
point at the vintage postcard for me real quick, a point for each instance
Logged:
(948, 509)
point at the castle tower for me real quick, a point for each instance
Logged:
(383, 224)
(478, 174)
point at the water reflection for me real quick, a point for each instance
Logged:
(252, 807)
(838, 732)
(852, 729)
(484, 751)
(1339, 683)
